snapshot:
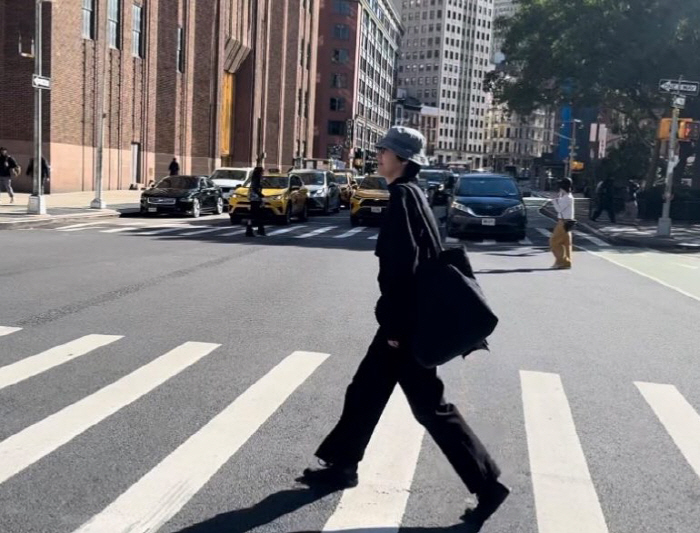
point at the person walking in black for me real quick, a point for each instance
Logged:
(174, 167)
(605, 197)
(45, 171)
(8, 170)
(256, 199)
(401, 246)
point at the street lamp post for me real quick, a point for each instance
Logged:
(37, 202)
(98, 202)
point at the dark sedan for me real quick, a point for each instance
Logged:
(188, 195)
(487, 204)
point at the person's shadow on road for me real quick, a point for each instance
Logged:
(288, 501)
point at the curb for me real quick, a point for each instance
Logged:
(626, 241)
(45, 220)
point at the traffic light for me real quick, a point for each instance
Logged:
(577, 166)
(688, 130)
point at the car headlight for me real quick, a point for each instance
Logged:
(463, 208)
(276, 197)
(515, 209)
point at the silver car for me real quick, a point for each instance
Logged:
(229, 179)
(324, 193)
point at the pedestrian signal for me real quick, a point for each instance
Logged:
(688, 129)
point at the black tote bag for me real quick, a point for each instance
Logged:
(452, 315)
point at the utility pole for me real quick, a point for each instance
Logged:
(572, 149)
(98, 202)
(37, 202)
(664, 227)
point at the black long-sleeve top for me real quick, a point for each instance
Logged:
(403, 242)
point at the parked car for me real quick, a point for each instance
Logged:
(488, 204)
(324, 193)
(229, 179)
(284, 197)
(369, 201)
(347, 183)
(190, 195)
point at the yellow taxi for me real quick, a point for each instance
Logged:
(346, 180)
(369, 201)
(284, 197)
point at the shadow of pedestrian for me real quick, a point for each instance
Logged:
(514, 270)
(287, 501)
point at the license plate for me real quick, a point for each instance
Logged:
(376, 210)
(152, 209)
(488, 221)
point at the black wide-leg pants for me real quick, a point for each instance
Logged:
(379, 372)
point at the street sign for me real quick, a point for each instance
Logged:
(41, 82)
(680, 87)
(679, 102)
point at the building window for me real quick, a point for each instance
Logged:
(339, 81)
(341, 31)
(114, 23)
(342, 7)
(341, 55)
(88, 19)
(337, 104)
(180, 49)
(336, 127)
(137, 31)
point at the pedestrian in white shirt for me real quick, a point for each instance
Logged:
(561, 242)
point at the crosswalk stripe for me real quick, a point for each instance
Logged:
(284, 230)
(31, 444)
(595, 240)
(678, 417)
(374, 237)
(525, 242)
(161, 229)
(315, 232)
(485, 242)
(5, 330)
(36, 364)
(379, 501)
(353, 231)
(565, 498)
(202, 231)
(79, 227)
(544, 232)
(232, 233)
(127, 227)
(162, 492)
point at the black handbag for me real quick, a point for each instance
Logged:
(452, 316)
(569, 225)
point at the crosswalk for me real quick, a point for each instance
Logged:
(335, 231)
(566, 498)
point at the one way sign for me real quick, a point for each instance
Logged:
(681, 87)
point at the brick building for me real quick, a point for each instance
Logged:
(357, 46)
(195, 80)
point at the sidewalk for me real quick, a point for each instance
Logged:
(65, 207)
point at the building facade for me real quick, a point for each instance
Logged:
(200, 81)
(445, 55)
(414, 114)
(357, 47)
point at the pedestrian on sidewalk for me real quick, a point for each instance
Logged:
(561, 242)
(8, 170)
(631, 205)
(256, 199)
(389, 361)
(605, 198)
(45, 171)
(174, 167)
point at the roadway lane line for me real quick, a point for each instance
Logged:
(126, 227)
(202, 231)
(80, 227)
(161, 493)
(595, 240)
(678, 417)
(544, 232)
(232, 233)
(353, 231)
(5, 330)
(58, 355)
(315, 232)
(284, 230)
(525, 242)
(565, 498)
(373, 237)
(378, 503)
(686, 266)
(158, 230)
(35, 442)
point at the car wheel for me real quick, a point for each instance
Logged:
(354, 221)
(519, 236)
(196, 208)
(304, 213)
(219, 206)
(327, 207)
(235, 220)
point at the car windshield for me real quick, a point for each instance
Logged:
(341, 179)
(374, 183)
(223, 174)
(433, 177)
(179, 182)
(271, 182)
(496, 187)
(312, 178)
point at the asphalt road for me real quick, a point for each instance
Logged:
(168, 382)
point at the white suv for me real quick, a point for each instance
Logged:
(229, 179)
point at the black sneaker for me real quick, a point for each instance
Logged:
(249, 232)
(489, 502)
(338, 477)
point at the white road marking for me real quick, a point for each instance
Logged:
(353, 231)
(162, 492)
(126, 227)
(158, 230)
(678, 417)
(565, 498)
(378, 503)
(35, 442)
(544, 232)
(5, 330)
(315, 232)
(202, 231)
(284, 230)
(595, 240)
(373, 237)
(525, 242)
(686, 266)
(485, 242)
(80, 227)
(58, 355)
(232, 233)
